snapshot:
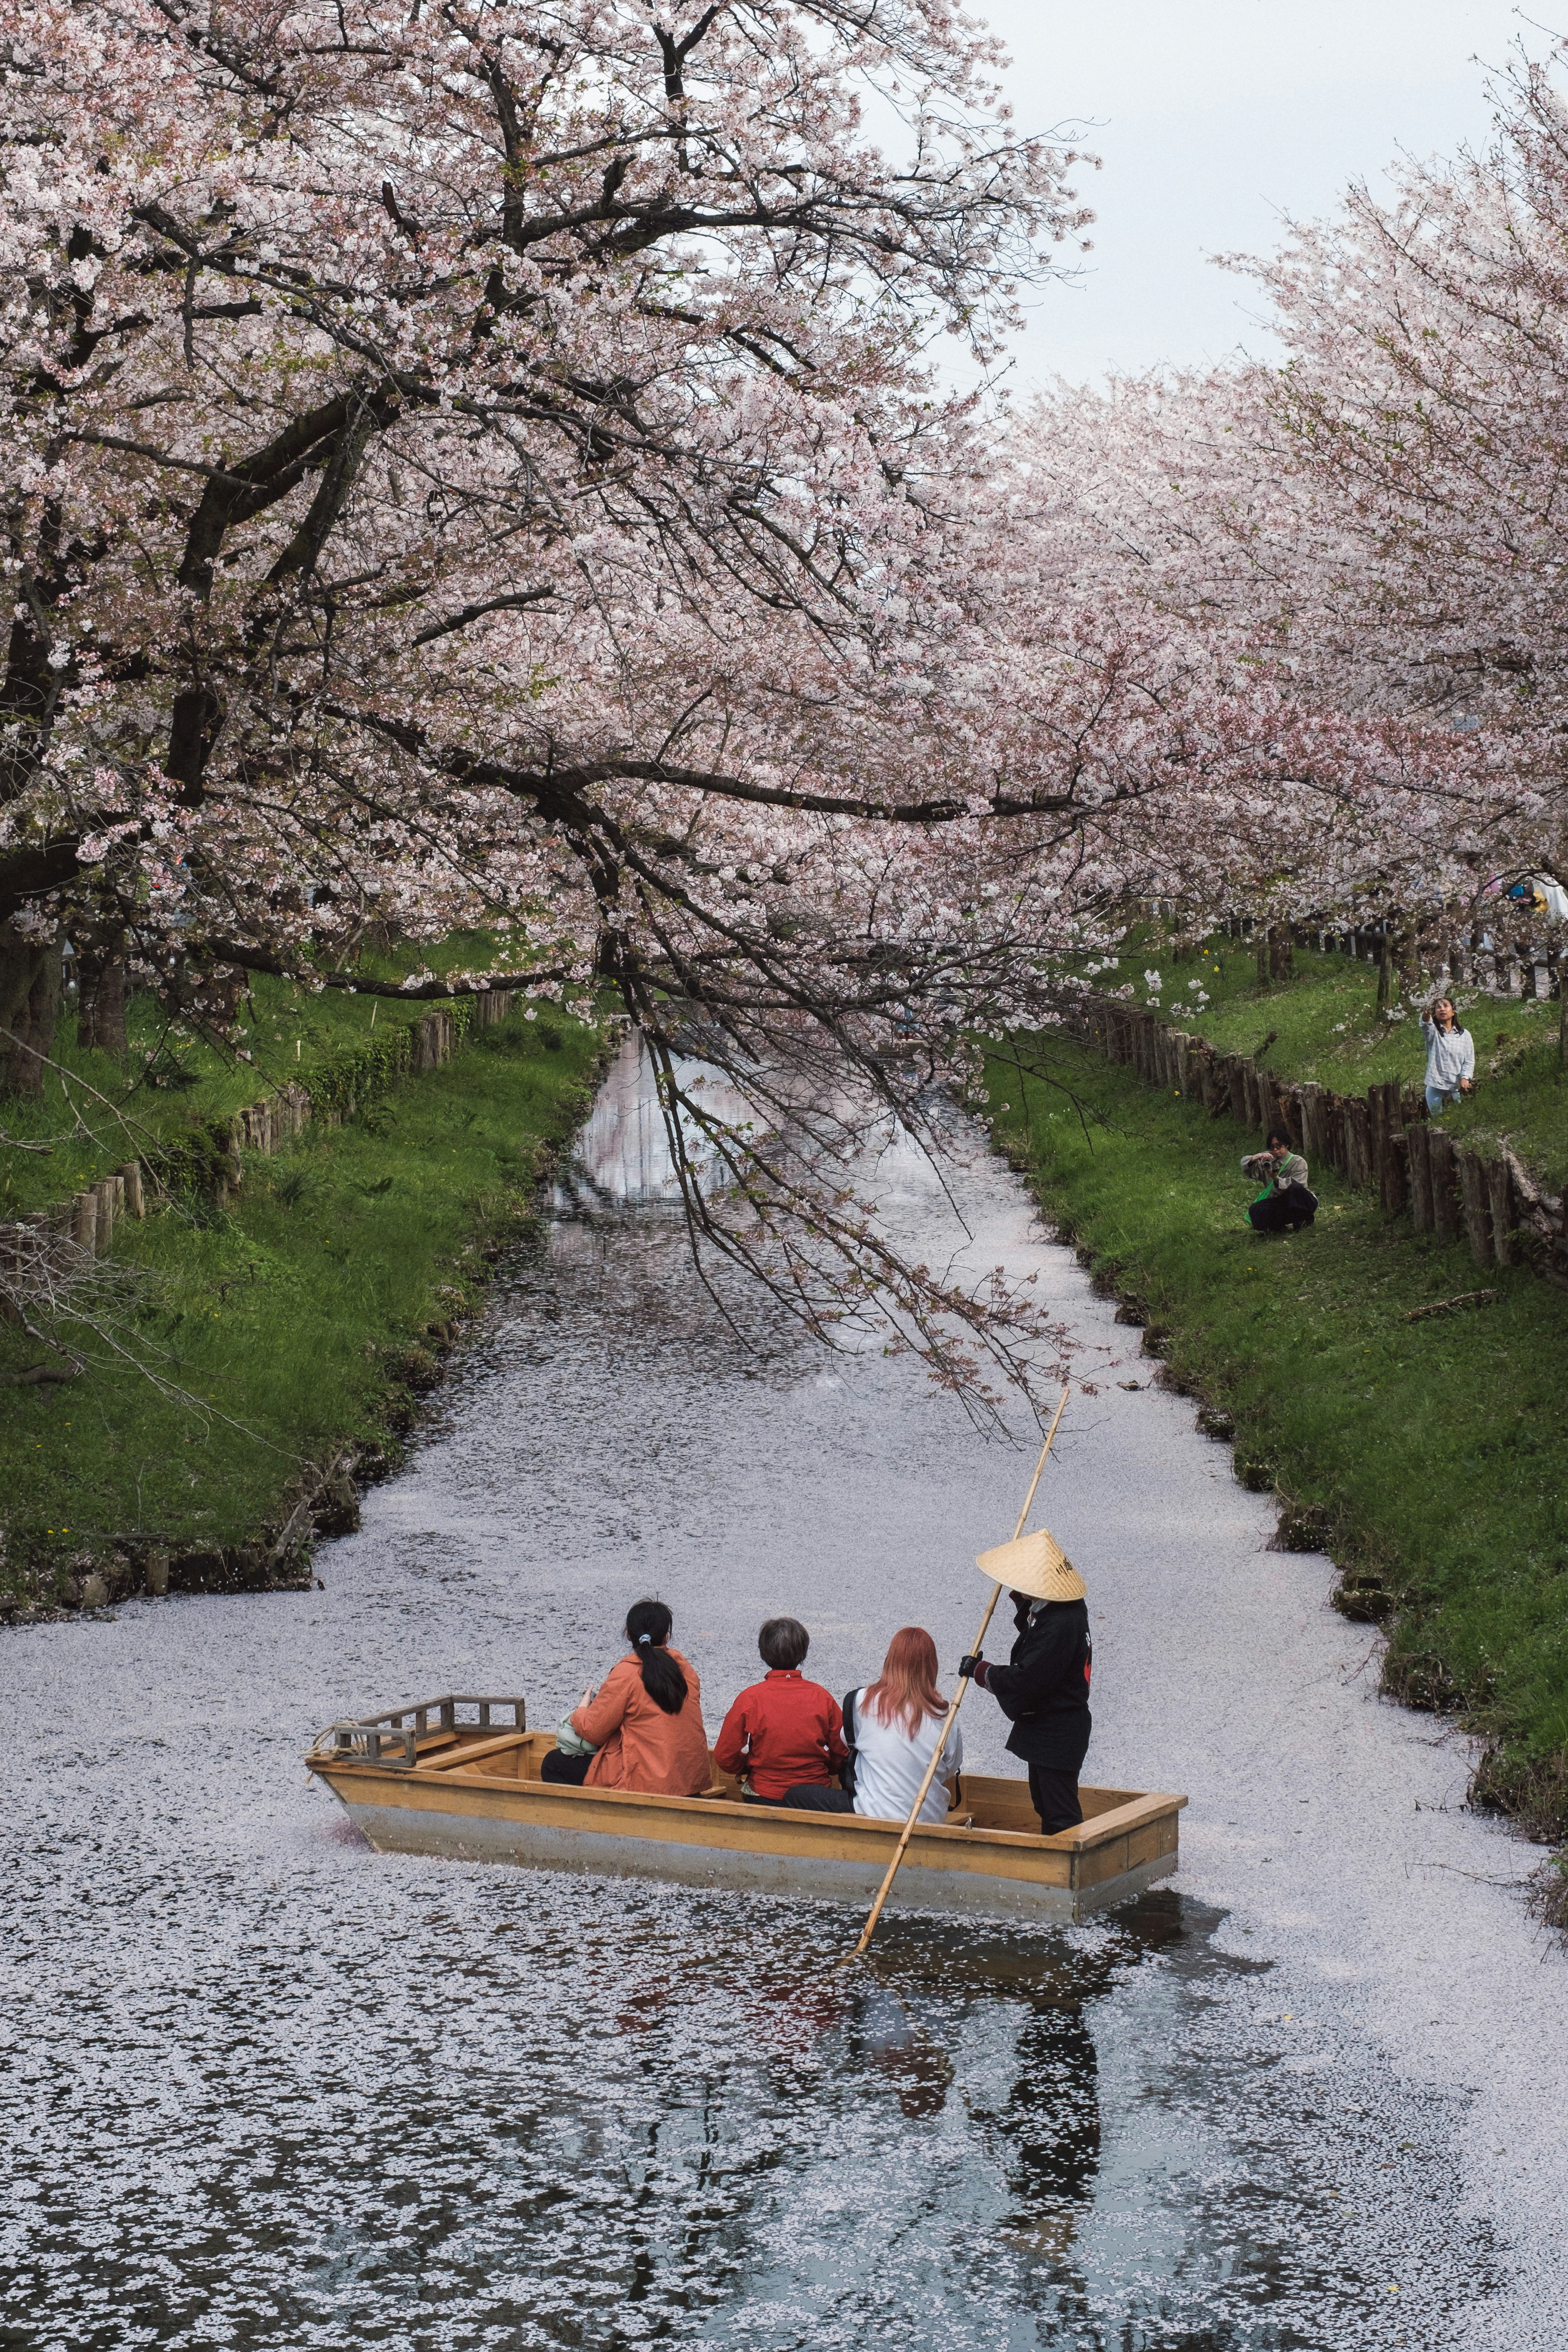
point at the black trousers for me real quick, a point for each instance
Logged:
(818, 1796)
(1054, 1795)
(1292, 1209)
(559, 1766)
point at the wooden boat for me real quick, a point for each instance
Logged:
(452, 1775)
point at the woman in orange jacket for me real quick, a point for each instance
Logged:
(644, 1721)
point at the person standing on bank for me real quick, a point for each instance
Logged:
(1043, 1690)
(1450, 1056)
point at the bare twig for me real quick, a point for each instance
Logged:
(1447, 1305)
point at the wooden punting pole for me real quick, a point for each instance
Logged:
(868, 1930)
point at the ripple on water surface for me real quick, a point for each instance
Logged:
(393, 2102)
(262, 2088)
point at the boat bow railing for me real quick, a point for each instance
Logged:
(393, 1739)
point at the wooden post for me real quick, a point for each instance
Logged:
(1477, 1205)
(1445, 1191)
(135, 1202)
(1358, 1142)
(1499, 1190)
(1347, 1143)
(1310, 1101)
(1376, 1134)
(1418, 1136)
(1331, 1121)
(84, 1221)
(1293, 1112)
(1392, 1186)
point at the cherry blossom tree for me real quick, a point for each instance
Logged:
(477, 465)
(1367, 539)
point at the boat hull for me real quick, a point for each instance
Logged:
(819, 1877)
(477, 1814)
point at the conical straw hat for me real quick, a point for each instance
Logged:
(1034, 1564)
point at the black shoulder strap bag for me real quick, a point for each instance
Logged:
(847, 1769)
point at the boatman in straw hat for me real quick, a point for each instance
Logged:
(1043, 1690)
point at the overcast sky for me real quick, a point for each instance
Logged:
(1213, 118)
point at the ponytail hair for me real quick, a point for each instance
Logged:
(648, 1630)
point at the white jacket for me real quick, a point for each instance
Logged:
(1450, 1055)
(889, 1766)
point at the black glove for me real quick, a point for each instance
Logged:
(974, 1666)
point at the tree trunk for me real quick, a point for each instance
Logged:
(100, 985)
(29, 1008)
(1281, 953)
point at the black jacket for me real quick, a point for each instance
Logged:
(1044, 1689)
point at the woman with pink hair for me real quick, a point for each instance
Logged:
(892, 1727)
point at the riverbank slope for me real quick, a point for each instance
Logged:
(1421, 1451)
(291, 1331)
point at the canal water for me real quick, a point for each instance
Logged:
(264, 2088)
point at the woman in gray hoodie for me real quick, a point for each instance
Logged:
(1450, 1055)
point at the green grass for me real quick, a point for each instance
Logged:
(299, 1318)
(1428, 1454)
(1325, 1025)
(98, 1109)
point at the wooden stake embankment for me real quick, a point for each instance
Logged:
(1382, 1141)
(868, 1930)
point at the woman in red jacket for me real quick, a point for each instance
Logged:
(784, 1731)
(644, 1721)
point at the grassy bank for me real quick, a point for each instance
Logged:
(303, 1318)
(1425, 1455)
(1325, 1024)
(160, 1099)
